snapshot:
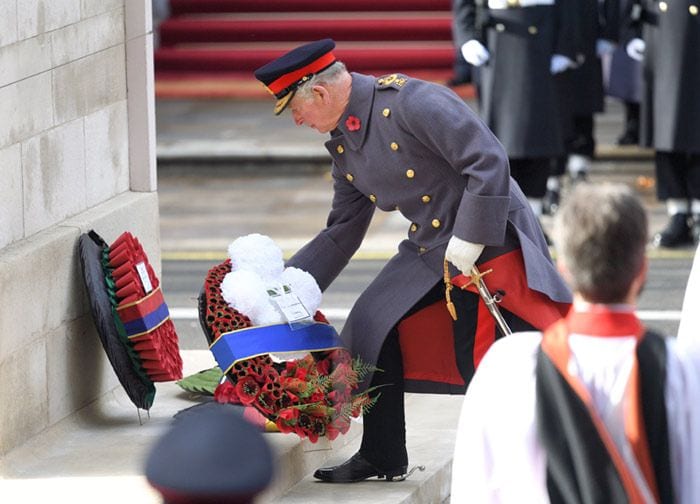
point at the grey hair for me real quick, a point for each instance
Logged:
(600, 234)
(329, 76)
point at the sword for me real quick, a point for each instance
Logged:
(491, 301)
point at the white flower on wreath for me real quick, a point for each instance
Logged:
(257, 266)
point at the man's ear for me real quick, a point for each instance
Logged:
(322, 93)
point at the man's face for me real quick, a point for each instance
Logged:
(315, 112)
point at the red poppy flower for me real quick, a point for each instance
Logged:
(265, 403)
(323, 367)
(352, 123)
(300, 373)
(332, 432)
(340, 424)
(247, 389)
(226, 393)
(317, 397)
(289, 415)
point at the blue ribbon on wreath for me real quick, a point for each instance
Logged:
(250, 342)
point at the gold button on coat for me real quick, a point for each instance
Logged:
(340, 149)
(394, 146)
(386, 112)
(436, 223)
(425, 198)
(410, 173)
(532, 30)
(414, 228)
(422, 250)
(349, 177)
(372, 198)
(693, 9)
(663, 6)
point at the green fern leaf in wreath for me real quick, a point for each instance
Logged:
(203, 382)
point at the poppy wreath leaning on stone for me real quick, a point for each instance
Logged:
(312, 389)
(130, 314)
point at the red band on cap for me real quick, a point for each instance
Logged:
(288, 79)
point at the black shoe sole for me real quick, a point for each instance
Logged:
(386, 475)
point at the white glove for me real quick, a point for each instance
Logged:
(560, 63)
(635, 49)
(604, 47)
(463, 254)
(475, 53)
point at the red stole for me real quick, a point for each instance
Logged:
(599, 321)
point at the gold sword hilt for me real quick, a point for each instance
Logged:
(491, 301)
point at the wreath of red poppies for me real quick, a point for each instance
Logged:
(314, 396)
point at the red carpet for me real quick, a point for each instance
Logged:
(310, 27)
(179, 7)
(209, 48)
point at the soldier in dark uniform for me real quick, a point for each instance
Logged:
(581, 94)
(667, 39)
(517, 45)
(624, 80)
(406, 145)
(624, 84)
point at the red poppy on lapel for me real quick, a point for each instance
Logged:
(352, 123)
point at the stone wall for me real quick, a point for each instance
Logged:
(77, 152)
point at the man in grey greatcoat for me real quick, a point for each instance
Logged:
(667, 40)
(406, 145)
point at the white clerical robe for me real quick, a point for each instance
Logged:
(498, 458)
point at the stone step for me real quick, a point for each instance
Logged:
(431, 422)
(98, 454)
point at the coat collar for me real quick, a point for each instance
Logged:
(604, 320)
(358, 109)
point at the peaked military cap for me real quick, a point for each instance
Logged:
(283, 76)
(210, 454)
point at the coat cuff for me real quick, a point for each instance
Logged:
(482, 219)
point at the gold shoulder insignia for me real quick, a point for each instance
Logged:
(395, 81)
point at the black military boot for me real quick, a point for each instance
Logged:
(676, 233)
(631, 134)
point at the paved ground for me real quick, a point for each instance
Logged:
(202, 144)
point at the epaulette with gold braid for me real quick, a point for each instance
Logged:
(394, 81)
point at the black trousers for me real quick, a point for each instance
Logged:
(531, 174)
(580, 141)
(384, 426)
(677, 175)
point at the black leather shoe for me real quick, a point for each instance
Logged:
(356, 469)
(676, 233)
